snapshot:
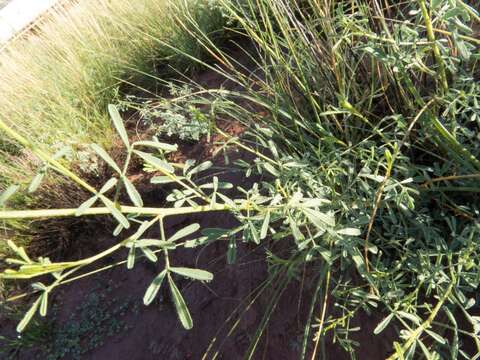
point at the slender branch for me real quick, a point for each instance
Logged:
(322, 316)
(378, 196)
(424, 326)
(146, 211)
(435, 48)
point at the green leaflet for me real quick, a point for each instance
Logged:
(8, 193)
(265, 224)
(149, 254)
(319, 219)
(131, 257)
(86, 205)
(199, 168)
(108, 185)
(157, 145)
(254, 233)
(28, 315)
(132, 192)
(163, 180)
(180, 305)
(19, 250)
(383, 324)
(116, 213)
(349, 232)
(195, 274)
(43, 304)
(37, 180)
(118, 123)
(154, 287)
(156, 162)
(104, 155)
(187, 230)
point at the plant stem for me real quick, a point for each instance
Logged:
(323, 314)
(435, 48)
(146, 211)
(123, 174)
(425, 325)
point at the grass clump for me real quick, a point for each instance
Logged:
(80, 59)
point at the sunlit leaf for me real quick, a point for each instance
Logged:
(37, 180)
(319, 219)
(271, 169)
(383, 324)
(265, 224)
(220, 185)
(157, 145)
(180, 305)
(426, 352)
(104, 155)
(108, 185)
(131, 258)
(154, 287)
(155, 162)
(118, 229)
(149, 254)
(86, 205)
(7, 194)
(132, 192)
(28, 315)
(195, 274)
(39, 286)
(116, 213)
(19, 250)
(199, 168)
(315, 202)
(229, 202)
(254, 233)
(349, 232)
(186, 231)
(163, 179)
(43, 304)
(436, 336)
(118, 123)
(412, 317)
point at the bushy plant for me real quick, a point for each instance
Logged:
(176, 118)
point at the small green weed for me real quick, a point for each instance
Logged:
(180, 117)
(97, 317)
